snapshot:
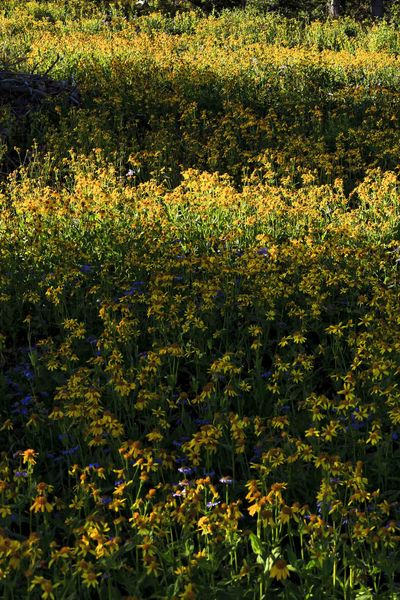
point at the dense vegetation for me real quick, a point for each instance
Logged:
(199, 307)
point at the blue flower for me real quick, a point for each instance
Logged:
(266, 374)
(135, 287)
(212, 504)
(219, 294)
(70, 451)
(202, 421)
(21, 473)
(86, 268)
(185, 470)
(226, 480)
(208, 473)
(27, 400)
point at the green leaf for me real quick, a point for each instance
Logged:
(256, 544)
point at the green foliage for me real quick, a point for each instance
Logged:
(199, 307)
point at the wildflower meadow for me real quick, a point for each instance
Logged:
(199, 307)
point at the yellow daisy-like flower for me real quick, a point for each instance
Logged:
(47, 589)
(28, 456)
(279, 570)
(286, 514)
(41, 504)
(5, 511)
(89, 578)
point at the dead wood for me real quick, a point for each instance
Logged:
(24, 92)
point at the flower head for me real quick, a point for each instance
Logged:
(226, 480)
(89, 578)
(28, 456)
(41, 504)
(279, 570)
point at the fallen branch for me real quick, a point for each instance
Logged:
(24, 92)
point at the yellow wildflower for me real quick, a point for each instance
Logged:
(279, 570)
(89, 578)
(40, 504)
(28, 456)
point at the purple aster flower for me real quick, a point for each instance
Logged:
(21, 473)
(70, 451)
(86, 268)
(179, 493)
(27, 400)
(226, 480)
(185, 470)
(208, 473)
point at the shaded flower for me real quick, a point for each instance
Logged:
(21, 474)
(279, 570)
(86, 268)
(41, 504)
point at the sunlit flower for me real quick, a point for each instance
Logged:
(28, 456)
